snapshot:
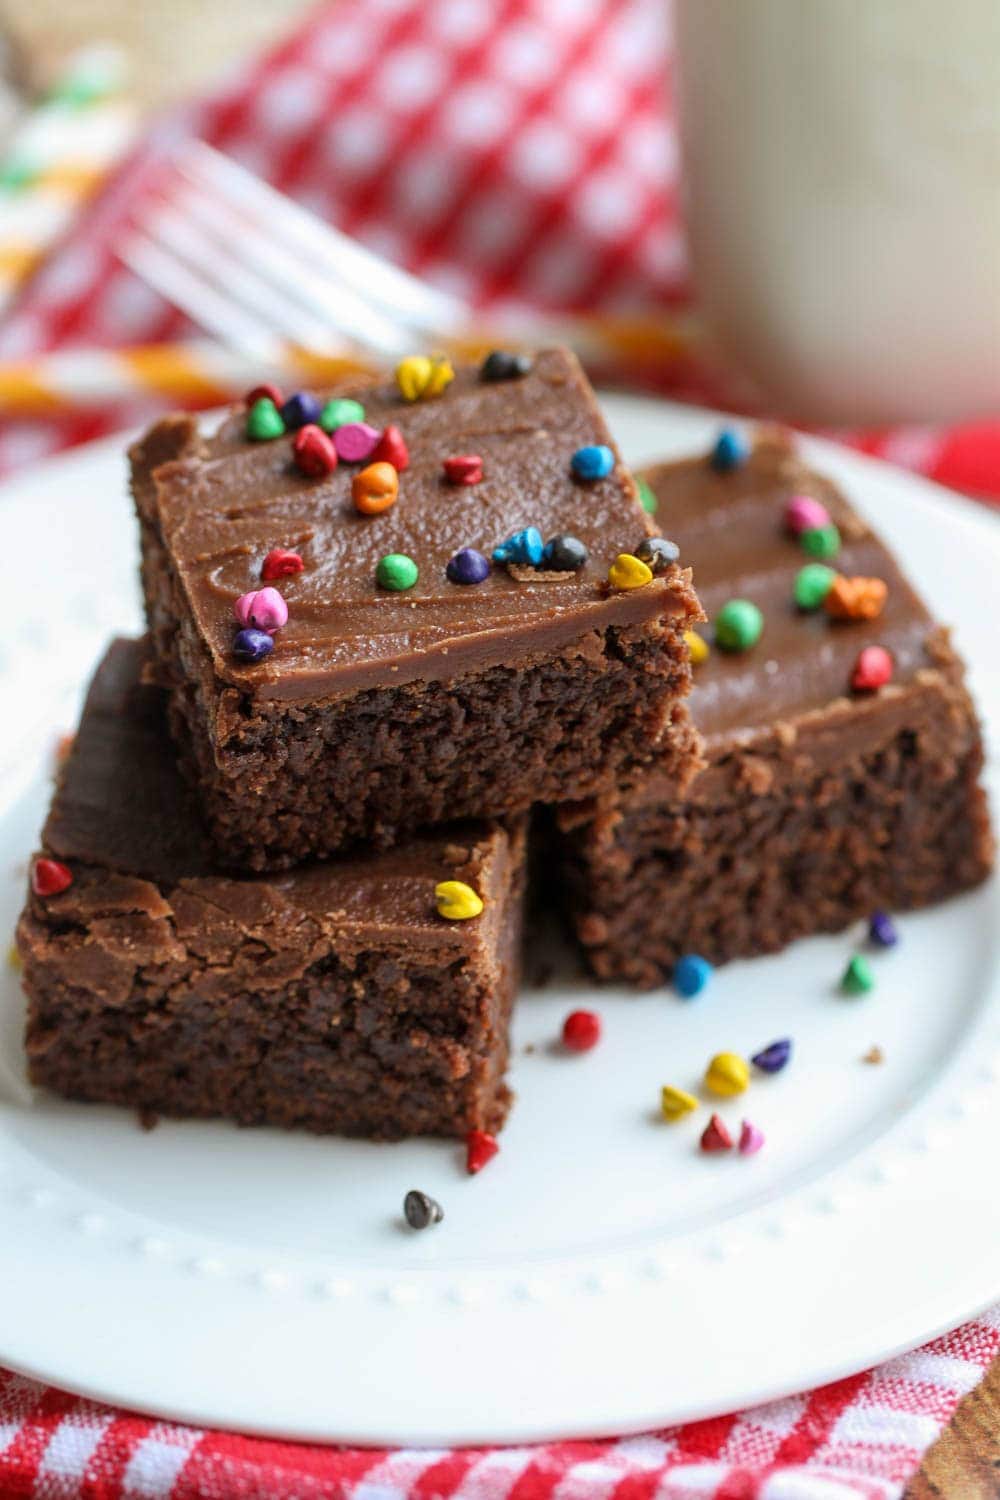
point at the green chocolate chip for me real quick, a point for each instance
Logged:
(338, 413)
(858, 978)
(264, 421)
(812, 584)
(738, 625)
(821, 541)
(646, 497)
(397, 571)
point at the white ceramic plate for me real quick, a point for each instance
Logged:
(601, 1275)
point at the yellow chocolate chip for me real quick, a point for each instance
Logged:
(675, 1102)
(457, 901)
(13, 956)
(420, 375)
(628, 572)
(697, 647)
(727, 1074)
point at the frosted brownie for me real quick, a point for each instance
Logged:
(823, 798)
(387, 705)
(334, 997)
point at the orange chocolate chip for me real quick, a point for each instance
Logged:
(856, 598)
(375, 489)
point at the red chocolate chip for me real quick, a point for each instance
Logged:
(314, 453)
(49, 877)
(581, 1030)
(480, 1148)
(280, 564)
(872, 670)
(715, 1136)
(463, 468)
(264, 393)
(391, 449)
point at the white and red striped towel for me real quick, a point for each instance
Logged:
(521, 152)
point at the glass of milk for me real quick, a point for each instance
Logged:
(842, 175)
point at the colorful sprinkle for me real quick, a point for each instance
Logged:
(738, 625)
(698, 648)
(812, 584)
(420, 1210)
(803, 513)
(856, 598)
(50, 877)
(340, 411)
(264, 421)
(524, 547)
(420, 376)
(581, 1030)
(356, 441)
(628, 572)
(467, 566)
(715, 1136)
(480, 1148)
(729, 451)
(564, 554)
(657, 553)
(280, 564)
(253, 645)
(313, 453)
(392, 449)
(882, 930)
(375, 489)
(263, 609)
(675, 1103)
(301, 410)
(595, 461)
(691, 974)
(457, 901)
(727, 1074)
(751, 1138)
(647, 496)
(463, 468)
(263, 393)
(820, 541)
(396, 572)
(857, 978)
(500, 365)
(872, 670)
(774, 1057)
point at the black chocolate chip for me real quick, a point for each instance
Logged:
(420, 1210)
(657, 553)
(501, 365)
(564, 554)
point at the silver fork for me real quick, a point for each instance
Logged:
(256, 270)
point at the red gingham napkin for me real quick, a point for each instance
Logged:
(519, 152)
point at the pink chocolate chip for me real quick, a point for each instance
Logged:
(803, 513)
(261, 609)
(751, 1138)
(355, 441)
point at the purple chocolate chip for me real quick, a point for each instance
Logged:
(467, 566)
(355, 441)
(300, 410)
(773, 1058)
(882, 931)
(252, 645)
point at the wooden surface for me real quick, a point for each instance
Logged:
(964, 1463)
(176, 46)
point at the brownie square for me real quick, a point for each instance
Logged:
(333, 997)
(818, 803)
(379, 711)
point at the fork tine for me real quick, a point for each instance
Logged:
(185, 289)
(291, 275)
(344, 260)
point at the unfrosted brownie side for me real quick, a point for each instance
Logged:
(334, 998)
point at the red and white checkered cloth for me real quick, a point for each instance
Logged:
(521, 153)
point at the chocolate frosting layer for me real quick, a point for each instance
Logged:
(731, 532)
(121, 807)
(226, 502)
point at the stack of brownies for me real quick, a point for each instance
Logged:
(282, 876)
